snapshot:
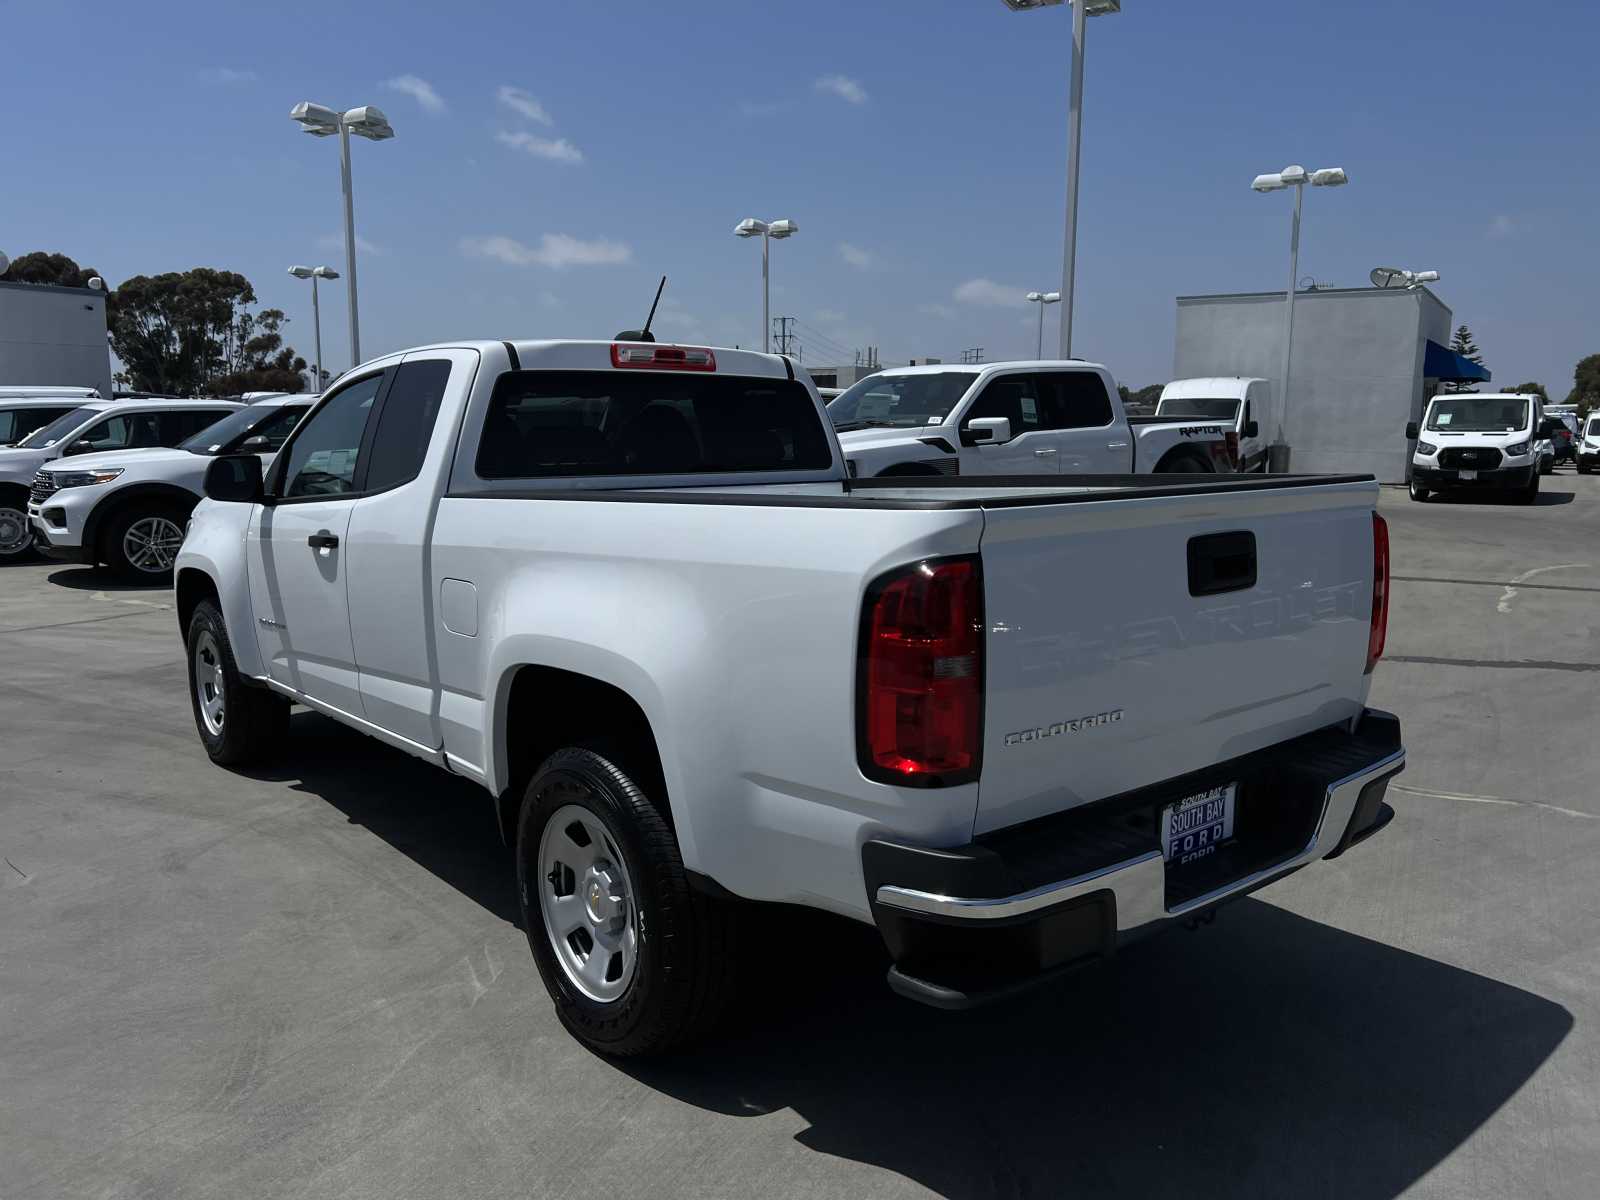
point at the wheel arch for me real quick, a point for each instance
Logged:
(539, 709)
(190, 587)
(111, 505)
(1177, 454)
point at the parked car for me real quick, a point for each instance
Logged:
(829, 394)
(1243, 406)
(1013, 418)
(127, 508)
(630, 589)
(91, 426)
(1477, 441)
(1588, 452)
(1556, 432)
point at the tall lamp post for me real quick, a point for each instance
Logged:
(1041, 299)
(370, 123)
(749, 228)
(1296, 177)
(314, 274)
(1082, 10)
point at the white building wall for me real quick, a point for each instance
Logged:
(53, 336)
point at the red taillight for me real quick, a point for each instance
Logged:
(662, 358)
(919, 709)
(1379, 630)
(1233, 448)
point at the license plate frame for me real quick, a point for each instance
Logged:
(1193, 828)
(1469, 476)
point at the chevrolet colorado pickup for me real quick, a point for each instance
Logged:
(1015, 418)
(631, 590)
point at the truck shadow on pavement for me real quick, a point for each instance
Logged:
(1268, 1055)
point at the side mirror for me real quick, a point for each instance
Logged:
(1412, 430)
(986, 431)
(80, 447)
(255, 444)
(234, 478)
(1252, 429)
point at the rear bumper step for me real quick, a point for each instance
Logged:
(1021, 906)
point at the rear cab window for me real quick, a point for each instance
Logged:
(552, 423)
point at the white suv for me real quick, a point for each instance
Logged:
(128, 507)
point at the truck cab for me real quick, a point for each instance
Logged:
(1477, 441)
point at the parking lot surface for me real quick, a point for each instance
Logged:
(310, 981)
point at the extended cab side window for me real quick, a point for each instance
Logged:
(323, 456)
(1013, 397)
(405, 424)
(1073, 400)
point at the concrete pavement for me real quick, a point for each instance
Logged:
(311, 981)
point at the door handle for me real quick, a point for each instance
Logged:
(323, 540)
(1116, 445)
(1042, 453)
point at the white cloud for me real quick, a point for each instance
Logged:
(519, 101)
(419, 90)
(943, 311)
(226, 75)
(988, 292)
(843, 87)
(555, 250)
(1502, 226)
(335, 242)
(855, 256)
(556, 150)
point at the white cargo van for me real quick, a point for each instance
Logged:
(1243, 405)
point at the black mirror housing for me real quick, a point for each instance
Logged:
(1252, 429)
(1412, 429)
(234, 478)
(80, 447)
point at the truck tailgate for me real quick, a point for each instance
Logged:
(1106, 673)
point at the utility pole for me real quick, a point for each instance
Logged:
(783, 333)
(972, 355)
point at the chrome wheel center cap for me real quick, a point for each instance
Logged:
(605, 897)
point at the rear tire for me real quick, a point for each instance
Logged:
(1183, 464)
(237, 723)
(635, 960)
(141, 542)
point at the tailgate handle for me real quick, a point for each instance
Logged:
(1222, 562)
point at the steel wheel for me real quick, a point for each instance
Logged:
(208, 682)
(15, 533)
(586, 900)
(151, 544)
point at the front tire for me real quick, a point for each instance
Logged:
(142, 542)
(16, 534)
(237, 723)
(1529, 494)
(635, 960)
(1419, 494)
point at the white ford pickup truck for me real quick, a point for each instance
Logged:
(1051, 417)
(631, 590)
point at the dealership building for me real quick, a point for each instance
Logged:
(53, 336)
(1365, 362)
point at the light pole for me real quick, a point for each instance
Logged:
(314, 274)
(1296, 177)
(1082, 10)
(748, 228)
(370, 123)
(1041, 299)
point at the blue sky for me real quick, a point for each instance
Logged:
(553, 159)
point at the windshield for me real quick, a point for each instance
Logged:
(52, 433)
(900, 400)
(272, 421)
(1594, 427)
(1478, 414)
(1212, 408)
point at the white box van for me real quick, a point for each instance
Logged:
(1243, 405)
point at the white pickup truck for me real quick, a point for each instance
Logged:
(631, 590)
(1014, 418)
(1241, 405)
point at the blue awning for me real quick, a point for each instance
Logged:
(1444, 363)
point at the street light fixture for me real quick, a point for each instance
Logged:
(1042, 299)
(369, 122)
(1081, 11)
(1295, 177)
(1398, 277)
(749, 228)
(314, 274)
